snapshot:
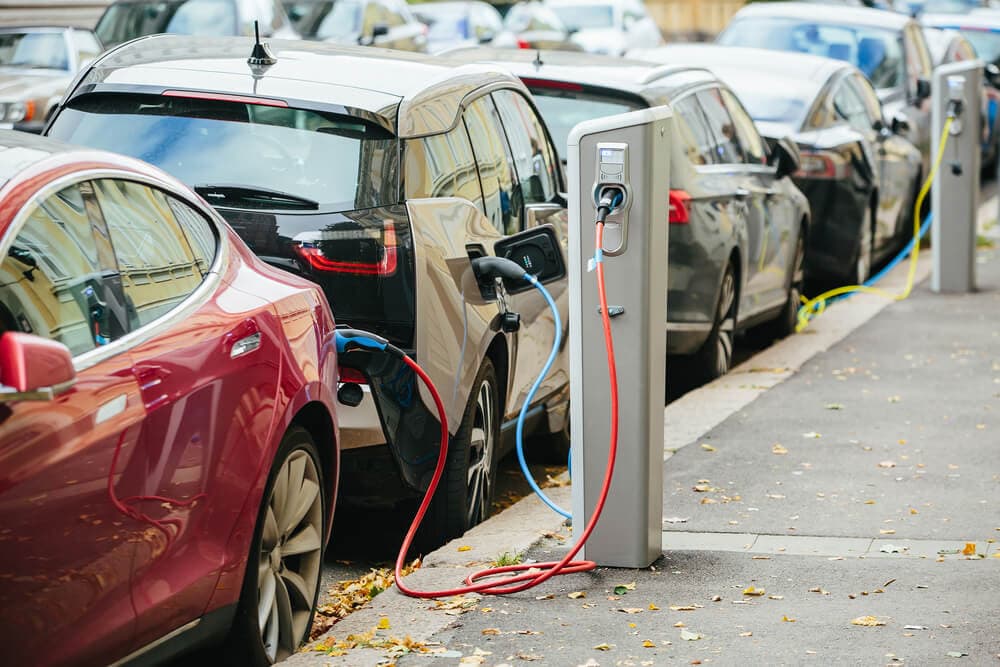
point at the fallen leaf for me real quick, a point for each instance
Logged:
(887, 531)
(811, 434)
(576, 595)
(529, 657)
(956, 654)
(465, 548)
(707, 447)
(603, 647)
(886, 464)
(867, 621)
(869, 502)
(778, 448)
(760, 558)
(970, 549)
(383, 623)
(775, 597)
(653, 607)
(702, 488)
(687, 635)
(622, 589)
(676, 519)
(914, 627)
(746, 634)
(492, 631)
(680, 624)
(817, 589)
(471, 660)
(786, 619)
(648, 644)
(716, 598)
(913, 511)
(891, 549)
(631, 610)
(894, 399)
(684, 607)
(708, 501)
(834, 406)
(550, 596)
(750, 590)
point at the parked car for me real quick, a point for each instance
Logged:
(168, 451)
(888, 48)
(385, 23)
(533, 25)
(127, 19)
(610, 27)
(457, 24)
(36, 66)
(920, 7)
(858, 170)
(378, 180)
(737, 223)
(951, 46)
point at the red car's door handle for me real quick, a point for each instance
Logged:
(243, 339)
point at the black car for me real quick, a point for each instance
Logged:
(737, 222)
(378, 175)
(887, 47)
(860, 175)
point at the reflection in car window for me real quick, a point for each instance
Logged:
(586, 16)
(442, 166)
(532, 16)
(563, 109)
(692, 129)
(749, 138)
(204, 17)
(727, 144)
(199, 233)
(340, 162)
(533, 159)
(501, 195)
(847, 105)
(54, 282)
(157, 265)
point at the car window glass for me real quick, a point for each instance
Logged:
(502, 198)
(914, 61)
(204, 17)
(392, 16)
(693, 131)
(749, 138)
(727, 145)
(925, 64)
(533, 156)
(563, 109)
(442, 165)
(849, 107)
(864, 90)
(33, 50)
(198, 231)
(54, 281)
(157, 265)
(964, 51)
(86, 45)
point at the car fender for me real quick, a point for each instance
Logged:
(454, 323)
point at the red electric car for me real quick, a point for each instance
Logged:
(168, 453)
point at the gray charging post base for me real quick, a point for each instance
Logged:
(632, 151)
(955, 192)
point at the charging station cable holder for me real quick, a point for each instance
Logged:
(955, 191)
(630, 152)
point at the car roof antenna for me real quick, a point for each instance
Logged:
(537, 62)
(261, 57)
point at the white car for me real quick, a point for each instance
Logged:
(609, 27)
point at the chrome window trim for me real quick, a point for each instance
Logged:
(184, 309)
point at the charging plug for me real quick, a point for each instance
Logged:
(611, 197)
(488, 268)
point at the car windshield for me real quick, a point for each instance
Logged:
(262, 156)
(340, 20)
(34, 50)
(874, 51)
(127, 20)
(584, 17)
(562, 110)
(986, 43)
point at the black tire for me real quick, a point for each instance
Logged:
(715, 356)
(293, 571)
(784, 324)
(464, 497)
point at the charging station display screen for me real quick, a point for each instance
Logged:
(613, 155)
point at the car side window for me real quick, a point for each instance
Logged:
(918, 63)
(693, 131)
(534, 158)
(198, 231)
(442, 165)
(754, 149)
(849, 107)
(864, 90)
(501, 193)
(57, 279)
(86, 46)
(727, 145)
(158, 267)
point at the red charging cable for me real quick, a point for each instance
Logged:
(539, 572)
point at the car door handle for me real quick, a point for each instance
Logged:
(741, 193)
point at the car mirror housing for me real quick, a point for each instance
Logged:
(380, 30)
(785, 157)
(537, 251)
(900, 124)
(33, 368)
(923, 89)
(992, 74)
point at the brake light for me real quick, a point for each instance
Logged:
(312, 254)
(222, 97)
(680, 207)
(522, 44)
(352, 375)
(827, 166)
(552, 85)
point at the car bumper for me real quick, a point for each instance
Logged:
(360, 426)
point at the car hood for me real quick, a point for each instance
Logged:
(16, 86)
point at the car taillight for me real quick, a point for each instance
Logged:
(352, 375)
(523, 44)
(312, 253)
(680, 207)
(822, 165)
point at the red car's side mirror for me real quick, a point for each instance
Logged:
(33, 368)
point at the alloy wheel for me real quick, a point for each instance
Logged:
(290, 556)
(481, 455)
(727, 324)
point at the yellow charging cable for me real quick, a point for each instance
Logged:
(815, 306)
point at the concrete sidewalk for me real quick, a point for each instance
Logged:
(840, 474)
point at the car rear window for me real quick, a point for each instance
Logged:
(561, 109)
(229, 150)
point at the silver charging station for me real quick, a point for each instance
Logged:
(631, 151)
(955, 192)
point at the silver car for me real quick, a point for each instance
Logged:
(37, 64)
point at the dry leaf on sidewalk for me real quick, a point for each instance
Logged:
(867, 621)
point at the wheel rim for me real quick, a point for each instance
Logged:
(727, 324)
(481, 446)
(290, 556)
(864, 249)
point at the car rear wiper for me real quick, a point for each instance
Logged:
(234, 195)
